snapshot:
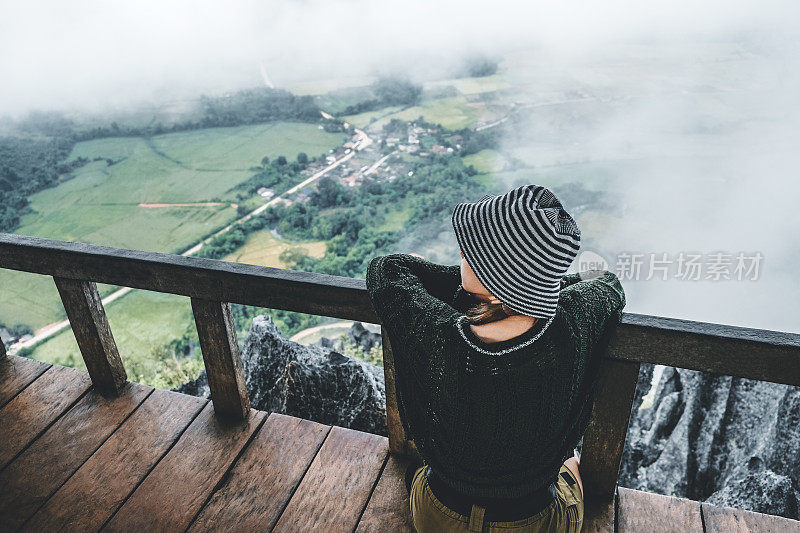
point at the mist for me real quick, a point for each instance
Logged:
(688, 111)
(695, 144)
(95, 54)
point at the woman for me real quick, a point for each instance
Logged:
(495, 361)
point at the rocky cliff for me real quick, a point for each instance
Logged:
(310, 382)
(734, 442)
(730, 441)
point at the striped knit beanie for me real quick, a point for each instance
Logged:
(519, 245)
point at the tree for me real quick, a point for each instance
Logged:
(328, 193)
(395, 90)
(281, 160)
(302, 158)
(293, 256)
(264, 161)
(480, 66)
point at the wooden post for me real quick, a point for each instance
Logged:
(604, 439)
(3, 354)
(93, 334)
(398, 441)
(222, 359)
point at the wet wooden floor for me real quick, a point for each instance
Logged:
(154, 460)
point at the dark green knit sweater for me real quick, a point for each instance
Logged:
(491, 419)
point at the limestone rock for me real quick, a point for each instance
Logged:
(764, 491)
(358, 335)
(707, 435)
(307, 381)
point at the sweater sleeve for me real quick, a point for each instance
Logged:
(595, 305)
(593, 302)
(411, 296)
(441, 281)
(403, 290)
(570, 279)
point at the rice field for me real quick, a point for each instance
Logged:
(100, 203)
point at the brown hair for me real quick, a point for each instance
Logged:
(489, 311)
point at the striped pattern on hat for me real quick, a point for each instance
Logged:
(520, 245)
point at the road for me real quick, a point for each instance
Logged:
(492, 125)
(297, 337)
(378, 163)
(191, 204)
(51, 329)
(300, 335)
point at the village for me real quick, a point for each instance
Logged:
(387, 154)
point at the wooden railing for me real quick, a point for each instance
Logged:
(212, 285)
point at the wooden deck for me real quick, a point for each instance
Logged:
(153, 460)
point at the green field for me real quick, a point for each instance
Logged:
(485, 161)
(396, 219)
(142, 321)
(453, 112)
(362, 120)
(100, 204)
(466, 86)
(262, 249)
(192, 166)
(226, 150)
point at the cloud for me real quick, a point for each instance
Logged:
(94, 53)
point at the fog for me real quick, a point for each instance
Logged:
(95, 53)
(697, 147)
(688, 110)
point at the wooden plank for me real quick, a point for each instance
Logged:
(644, 511)
(338, 484)
(37, 406)
(119, 465)
(45, 465)
(598, 516)
(398, 441)
(727, 520)
(266, 475)
(605, 435)
(16, 373)
(388, 507)
(93, 334)
(760, 354)
(217, 334)
(173, 493)
(198, 277)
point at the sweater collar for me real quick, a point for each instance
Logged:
(504, 346)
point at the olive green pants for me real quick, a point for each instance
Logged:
(429, 515)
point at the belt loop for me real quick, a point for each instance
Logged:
(476, 518)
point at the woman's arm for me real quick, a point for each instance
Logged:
(593, 303)
(414, 319)
(410, 294)
(442, 281)
(593, 306)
